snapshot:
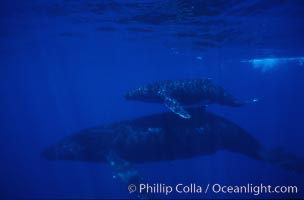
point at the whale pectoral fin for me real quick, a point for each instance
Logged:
(122, 169)
(125, 172)
(175, 107)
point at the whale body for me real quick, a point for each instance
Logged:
(166, 136)
(176, 94)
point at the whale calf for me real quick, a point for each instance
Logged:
(178, 93)
(163, 137)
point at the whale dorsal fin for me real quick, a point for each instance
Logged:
(176, 107)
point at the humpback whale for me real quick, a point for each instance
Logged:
(162, 137)
(165, 136)
(178, 93)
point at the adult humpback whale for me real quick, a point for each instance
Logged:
(178, 93)
(166, 136)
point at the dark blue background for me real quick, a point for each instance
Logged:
(64, 67)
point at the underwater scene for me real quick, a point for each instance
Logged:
(152, 99)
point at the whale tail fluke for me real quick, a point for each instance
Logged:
(254, 100)
(242, 103)
(229, 100)
(284, 159)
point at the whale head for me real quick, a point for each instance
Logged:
(67, 149)
(87, 145)
(144, 93)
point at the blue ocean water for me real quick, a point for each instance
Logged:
(66, 64)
